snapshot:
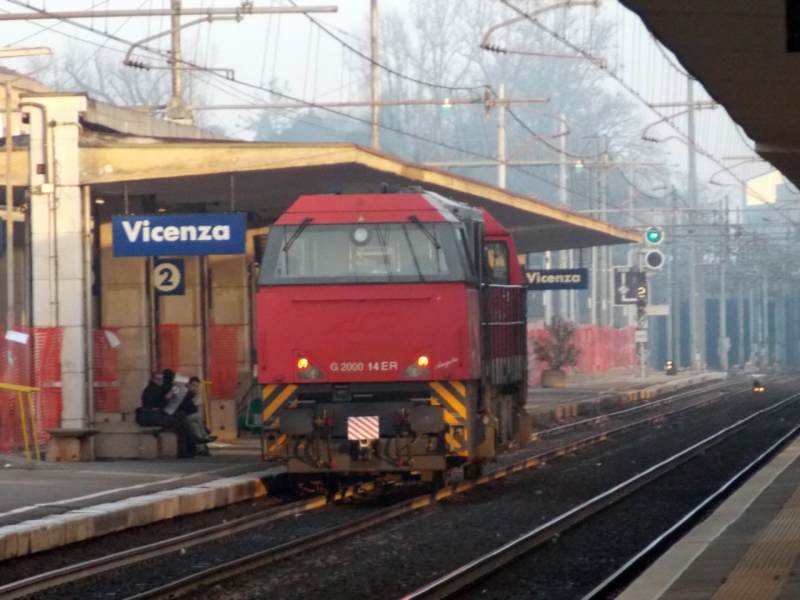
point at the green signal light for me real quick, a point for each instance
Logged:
(654, 235)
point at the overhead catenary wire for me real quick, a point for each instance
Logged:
(382, 66)
(438, 143)
(311, 104)
(629, 88)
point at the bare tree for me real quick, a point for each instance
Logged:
(101, 74)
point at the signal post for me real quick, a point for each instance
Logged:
(631, 288)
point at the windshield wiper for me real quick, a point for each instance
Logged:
(413, 254)
(303, 224)
(415, 220)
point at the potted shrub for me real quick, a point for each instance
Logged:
(557, 350)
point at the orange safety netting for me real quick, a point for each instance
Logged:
(169, 344)
(223, 349)
(601, 349)
(36, 363)
(106, 370)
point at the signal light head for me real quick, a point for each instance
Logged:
(302, 363)
(654, 259)
(653, 236)
(422, 361)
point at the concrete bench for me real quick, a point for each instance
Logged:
(126, 440)
(69, 445)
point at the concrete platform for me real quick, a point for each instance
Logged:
(748, 549)
(585, 391)
(46, 505)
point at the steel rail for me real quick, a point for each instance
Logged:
(52, 579)
(45, 581)
(645, 406)
(626, 572)
(265, 557)
(604, 435)
(476, 570)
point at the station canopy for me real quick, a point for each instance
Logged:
(738, 50)
(264, 179)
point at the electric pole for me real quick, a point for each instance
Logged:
(376, 142)
(177, 110)
(9, 133)
(566, 298)
(696, 303)
(765, 320)
(501, 137)
(723, 298)
(675, 296)
(605, 301)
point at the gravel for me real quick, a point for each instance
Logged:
(646, 412)
(28, 566)
(586, 555)
(143, 576)
(408, 552)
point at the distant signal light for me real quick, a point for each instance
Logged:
(653, 236)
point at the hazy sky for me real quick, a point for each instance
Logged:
(311, 65)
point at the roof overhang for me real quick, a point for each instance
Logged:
(268, 178)
(737, 49)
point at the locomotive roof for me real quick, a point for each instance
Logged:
(379, 208)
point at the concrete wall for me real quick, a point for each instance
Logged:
(124, 306)
(58, 271)
(186, 312)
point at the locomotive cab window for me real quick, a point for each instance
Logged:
(497, 263)
(361, 253)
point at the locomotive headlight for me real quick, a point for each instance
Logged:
(302, 363)
(422, 361)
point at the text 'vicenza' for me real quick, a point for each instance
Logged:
(173, 233)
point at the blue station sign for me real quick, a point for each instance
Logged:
(557, 279)
(179, 235)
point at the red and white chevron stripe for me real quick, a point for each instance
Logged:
(363, 428)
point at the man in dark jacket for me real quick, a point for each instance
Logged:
(188, 409)
(152, 414)
(153, 397)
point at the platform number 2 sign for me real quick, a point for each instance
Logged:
(168, 277)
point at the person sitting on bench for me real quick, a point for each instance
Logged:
(188, 408)
(152, 413)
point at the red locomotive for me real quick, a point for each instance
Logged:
(391, 336)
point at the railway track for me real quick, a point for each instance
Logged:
(457, 582)
(652, 404)
(50, 581)
(579, 443)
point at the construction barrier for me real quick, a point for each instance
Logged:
(30, 364)
(106, 370)
(169, 344)
(223, 349)
(601, 349)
